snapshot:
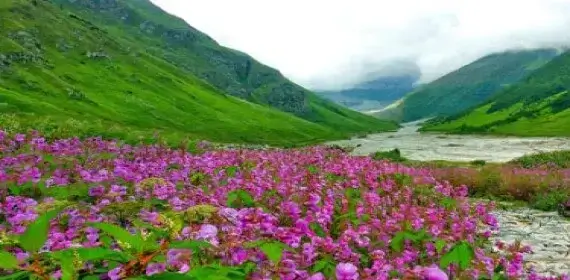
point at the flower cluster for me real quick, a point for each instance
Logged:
(337, 216)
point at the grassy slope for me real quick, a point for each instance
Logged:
(127, 94)
(115, 92)
(470, 85)
(233, 72)
(537, 106)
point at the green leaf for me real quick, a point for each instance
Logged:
(397, 242)
(273, 251)
(217, 272)
(500, 277)
(394, 274)
(439, 245)
(326, 266)
(48, 158)
(313, 169)
(17, 276)
(461, 254)
(320, 265)
(449, 203)
(232, 198)
(37, 232)
(67, 266)
(194, 245)
(231, 171)
(318, 229)
(91, 277)
(239, 197)
(99, 253)
(134, 241)
(499, 268)
(7, 260)
(15, 190)
(249, 267)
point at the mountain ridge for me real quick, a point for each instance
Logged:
(539, 105)
(372, 95)
(469, 85)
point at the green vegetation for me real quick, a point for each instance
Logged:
(558, 159)
(469, 86)
(91, 72)
(537, 180)
(537, 106)
(392, 155)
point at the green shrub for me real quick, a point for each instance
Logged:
(392, 155)
(549, 201)
(478, 162)
(557, 159)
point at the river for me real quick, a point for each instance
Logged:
(434, 146)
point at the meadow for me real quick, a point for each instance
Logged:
(99, 209)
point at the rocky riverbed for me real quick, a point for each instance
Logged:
(546, 232)
(434, 146)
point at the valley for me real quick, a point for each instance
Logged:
(135, 146)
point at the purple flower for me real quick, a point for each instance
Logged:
(239, 256)
(155, 268)
(434, 273)
(57, 274)
(317, 276)
(207, 232)
(115, 273)
(20, 137)
(346, 271)
(97, 191)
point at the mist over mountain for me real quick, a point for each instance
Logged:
(381, 87)
(352, 40)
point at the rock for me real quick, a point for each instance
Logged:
(20, 57)
(564, 210)
(147, 27)
(27, 40)
(63, 46)
(75, 94)
(97, 55)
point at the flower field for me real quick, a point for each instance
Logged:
(95, 209)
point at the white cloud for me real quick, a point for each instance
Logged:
(328, 44)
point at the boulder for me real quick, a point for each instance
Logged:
(564, 209)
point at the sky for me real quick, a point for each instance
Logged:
(335, 44)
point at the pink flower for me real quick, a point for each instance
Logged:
(317, 276)
(434, 273)
(346, 271)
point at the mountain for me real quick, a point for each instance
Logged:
(128, 65)
(539, 105)
(468, 86)
(374, 94)
(381, 87)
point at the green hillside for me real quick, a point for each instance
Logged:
(469, 86)
(170, 38)
(76, 69)
(537, 106)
